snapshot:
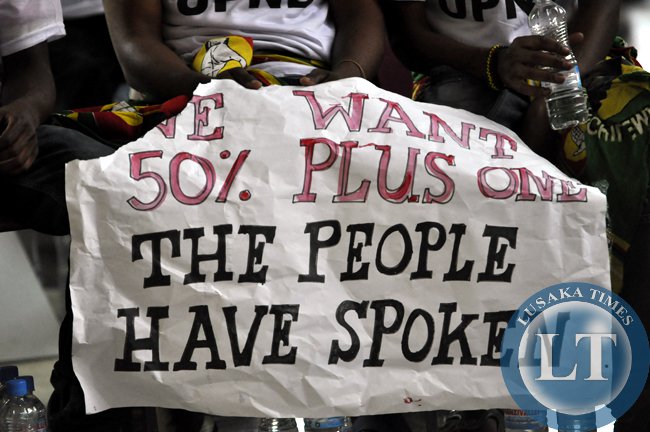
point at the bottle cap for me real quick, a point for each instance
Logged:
(8, 373)
(30, 382)
(17, 387)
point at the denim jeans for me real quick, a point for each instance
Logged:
(450, 87)
(36, 198)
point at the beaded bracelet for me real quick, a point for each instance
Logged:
(491, 73)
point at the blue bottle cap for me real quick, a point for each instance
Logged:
(8, 373)
(30, 381)
(16, 387)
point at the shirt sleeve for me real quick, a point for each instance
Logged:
(73, 9)
(25, 23)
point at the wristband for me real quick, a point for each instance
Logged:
(491, 71)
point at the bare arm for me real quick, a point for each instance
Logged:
(421, 48)
(149, 65)
(358, 44)
(28, 95)
(598, 21)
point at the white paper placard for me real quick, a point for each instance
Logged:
(309, 251)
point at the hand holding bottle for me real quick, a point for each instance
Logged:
(566, 101)
(535, 58)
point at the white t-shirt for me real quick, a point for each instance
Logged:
(482, 23)
(25, 23)
(299, 27)
(81, 8)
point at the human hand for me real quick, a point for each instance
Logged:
(18, 143)
(343, 69)
(534, 58)
(241, 76)
(318, 76)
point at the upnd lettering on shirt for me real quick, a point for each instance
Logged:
(458, 8)
(197, 7)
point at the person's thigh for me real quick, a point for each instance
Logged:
(449, 87)
(36, 198)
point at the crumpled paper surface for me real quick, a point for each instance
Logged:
(272, 210)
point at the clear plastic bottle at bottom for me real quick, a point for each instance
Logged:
(584, 423)
(525, 421)
(567, 104)
(23, 412)
(277, 425)
(328, 424)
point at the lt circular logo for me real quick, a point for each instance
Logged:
(578, 352)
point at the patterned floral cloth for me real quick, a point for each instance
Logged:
(612, 150)
(121, 122)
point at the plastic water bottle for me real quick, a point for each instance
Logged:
(23, 412)
(328, 424)
(525, 421)
(277, 425)
(583, 423)
(567, 104)
(6, 373)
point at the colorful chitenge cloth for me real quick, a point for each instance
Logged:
(612, 150)
(222, 54)
(118, 123)
(420, 82)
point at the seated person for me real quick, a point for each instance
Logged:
(450, 48)
(32, 157)
(449, 44)
(156, 41)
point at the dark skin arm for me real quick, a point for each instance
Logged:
(421, 48)
(593, 29)
(598, 21)
(153, 68)
(148, 64)
(28, 95)
(359, 38)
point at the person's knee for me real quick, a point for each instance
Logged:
(67, 144)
